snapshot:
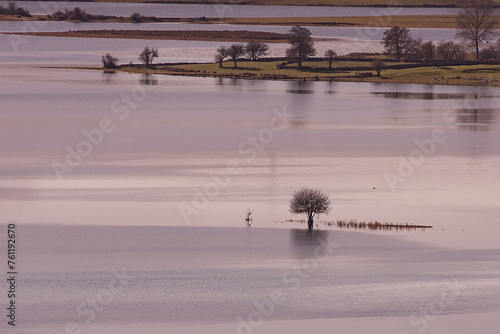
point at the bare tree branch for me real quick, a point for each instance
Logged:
(311, 202)
(301, 45)
(477, 23)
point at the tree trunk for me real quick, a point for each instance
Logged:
(330, 64)
(477, 51)
(220, 63)
(235, 64)
(310, 222)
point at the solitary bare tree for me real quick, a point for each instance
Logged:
(378, 65)
(222, 53)
(235, 51)
(310, 201)
(477, 23)
(148, 54)
(330, 56)
(255, 50)
(109, 61)
(398, 42)
(301, 45)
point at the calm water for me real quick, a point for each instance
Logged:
(334, 32)
(224, 10)
(164, 241)
(343, 137)
(85, 51)
(88, 51)
(179, 275)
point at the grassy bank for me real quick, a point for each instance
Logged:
(410, 21)
(351, 71)
(184, 35)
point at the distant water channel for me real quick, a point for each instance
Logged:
(223, 10)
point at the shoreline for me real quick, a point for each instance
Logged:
(427, 74)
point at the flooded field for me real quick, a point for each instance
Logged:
(354, 140)
(228, 9)
(129, 194)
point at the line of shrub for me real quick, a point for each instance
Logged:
(13, 9)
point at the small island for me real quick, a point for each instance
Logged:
(345, 70)
(405, 60)
(473, 62)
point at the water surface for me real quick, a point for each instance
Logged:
(181, 275)
(342, 137)
(359, 33)
(224, 10)
(88, 50)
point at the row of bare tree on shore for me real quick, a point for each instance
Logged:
(146, 57)
(476, 25)
(253, 49)
(301, 48)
